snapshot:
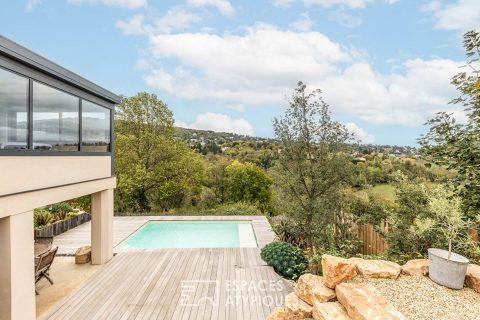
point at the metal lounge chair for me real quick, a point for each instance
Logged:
(42, 267)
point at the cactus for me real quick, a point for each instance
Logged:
(286, 259)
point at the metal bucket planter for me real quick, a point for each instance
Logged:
(447, 272)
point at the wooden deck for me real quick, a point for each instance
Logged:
(222, 283)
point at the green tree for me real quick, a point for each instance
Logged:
(153, 169)
(313, 166)
(456, 146)
(245, 182)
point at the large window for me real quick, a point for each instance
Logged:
(55, 119)
(40, 117)
(95, 127)
(13, 111)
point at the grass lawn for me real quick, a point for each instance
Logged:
(387, 191)
(384, 190)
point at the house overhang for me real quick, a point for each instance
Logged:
(24, 56)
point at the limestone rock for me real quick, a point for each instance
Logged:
(472, 278)
(296, 308)
(329, 311)
(83, 255)
(335, 270)
(311, 288)
(415, 267)
(377, 268)
(364, 302)
(279, 314)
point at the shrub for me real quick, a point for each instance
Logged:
(60, 210)
(286, 259)
(42, 218)
(288, 231)
(81, 203)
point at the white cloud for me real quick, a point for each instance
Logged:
(31, 4)
(407, 98)
(129, 4)
(282, 3)
(133, 26)
(176, 18)
(353, 4)
(346, 19)
(360, 134)
(224, 6)
(461, 15)
(236, 107)
(303, 24)
(259, 67)
(219, 122)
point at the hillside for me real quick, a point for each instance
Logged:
(203, 138)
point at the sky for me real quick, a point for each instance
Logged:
(384, 66)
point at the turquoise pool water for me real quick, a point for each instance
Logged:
(192, 234)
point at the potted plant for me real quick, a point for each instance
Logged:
(446, 267)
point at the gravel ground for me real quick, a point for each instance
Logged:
(419, 298)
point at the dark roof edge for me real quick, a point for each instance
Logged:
(30, 58)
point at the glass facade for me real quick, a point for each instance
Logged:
(55, 118)
(95, 127)
(13, 111)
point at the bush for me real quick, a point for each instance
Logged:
(231, 209)
(60, 210)
(288, 231)
(82, 203)
(42, 218)
(287, 260)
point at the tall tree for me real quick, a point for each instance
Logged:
(457, 146)
(313, 166)
(247, 183)
(153, 168)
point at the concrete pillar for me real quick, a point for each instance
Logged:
(17, 275)
(102, 226)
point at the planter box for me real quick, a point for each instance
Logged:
(60, 227)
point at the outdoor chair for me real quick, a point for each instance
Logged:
(42, 266)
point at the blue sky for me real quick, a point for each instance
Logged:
(383, 65)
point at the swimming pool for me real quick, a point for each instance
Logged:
(192, 234)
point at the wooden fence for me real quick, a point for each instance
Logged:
(374, 243)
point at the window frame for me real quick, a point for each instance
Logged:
(81, 125)
(35, 75)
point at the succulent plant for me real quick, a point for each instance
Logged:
(286, 259)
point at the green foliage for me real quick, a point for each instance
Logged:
(60, 210)
(287, 260)
(42, 218)
(313, 167)
(453, 145)
(449, 218)
(288, 230)
(154, 170)
(81, 203)
(409, 236)
(226, 209)
(245, 182)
